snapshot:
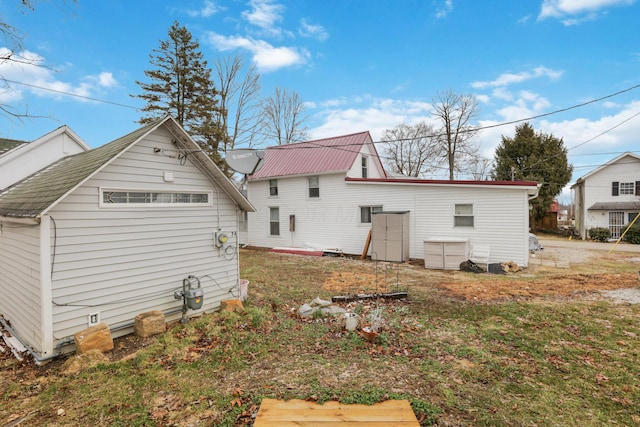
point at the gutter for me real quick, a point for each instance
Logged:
(534, 196)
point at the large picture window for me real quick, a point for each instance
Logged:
(153, 198)
(463, 215)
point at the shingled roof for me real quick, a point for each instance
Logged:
(7, 145)
(32, 196)
(327, 155)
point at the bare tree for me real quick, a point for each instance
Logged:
(480, 168)
(283, 117)
(412, 150)
(239, 103)
(455, 113)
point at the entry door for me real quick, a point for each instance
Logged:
(616, 221)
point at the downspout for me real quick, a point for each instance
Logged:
(46, 283)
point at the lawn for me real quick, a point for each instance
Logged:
(483, 357)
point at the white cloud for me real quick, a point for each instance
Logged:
(311, 30)
(507, 79)
(31, 74)
(574, 12)
(444, 9)
(209, 8)
(266, 57)
(264, 14)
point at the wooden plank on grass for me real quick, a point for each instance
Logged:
(391, 413)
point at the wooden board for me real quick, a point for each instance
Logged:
(391, 413)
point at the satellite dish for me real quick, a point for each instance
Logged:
(245, 160)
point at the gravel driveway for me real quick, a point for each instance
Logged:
(563, 252)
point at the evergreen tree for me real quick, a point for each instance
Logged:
(534, 156)
(181, 85)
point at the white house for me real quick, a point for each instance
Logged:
(322, 195)
(107, 234)
(19, 159)
(608, 196)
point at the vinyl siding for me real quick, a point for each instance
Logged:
(20, 280)
(122, 261)
(597, 188)
(333, 220)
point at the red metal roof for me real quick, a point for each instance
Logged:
(327, 155)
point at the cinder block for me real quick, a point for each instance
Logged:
(231, 305)
(149, 324)
(96, 337)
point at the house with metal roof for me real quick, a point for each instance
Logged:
(608, 196)
(19, 159)
(325, 196)
(107, 234)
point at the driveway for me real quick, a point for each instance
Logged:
(589, 245)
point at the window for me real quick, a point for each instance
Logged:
(364, 167)
(366, 211)
(148, 198)
(243, 221)
(463, 216)
(273, 187)
(626, 188)
(274, 221)
(314, 186)
(632, 216)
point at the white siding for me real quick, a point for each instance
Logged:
(34, 156)
(597, 188)
(20, 280)
(374, 168)
(122, 261)
(333, 220)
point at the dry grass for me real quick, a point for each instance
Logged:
(464, 350)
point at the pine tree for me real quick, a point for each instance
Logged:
(534, 156)
(181, 86)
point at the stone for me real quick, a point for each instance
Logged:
(149, 324)
(233, 305)
(96, 337)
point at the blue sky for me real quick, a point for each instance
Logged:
(358, 64)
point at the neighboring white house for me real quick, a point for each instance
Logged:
(608, 196)
(113, 232)
(19, 159)
(321, 195)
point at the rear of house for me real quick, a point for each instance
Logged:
(121, 241)
(609, 196)
(322, 195)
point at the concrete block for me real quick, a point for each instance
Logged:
(96, 337)
(149, 324)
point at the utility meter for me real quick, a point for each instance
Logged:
(220, 238)
(194, 298)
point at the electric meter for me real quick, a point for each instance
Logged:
(220, 238)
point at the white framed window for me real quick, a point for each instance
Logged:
(274, 221)
(273, 187)
(365, 171)
(627, 188)
(366, 211)
(314, 186)
(243, 221)
(142, 198)
(463, 215)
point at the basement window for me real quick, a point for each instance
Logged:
(136, 198)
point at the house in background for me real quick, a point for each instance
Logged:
(19, 159)
(321, 195)
(107, 234)
(609, 196)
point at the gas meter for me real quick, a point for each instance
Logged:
(191, 297)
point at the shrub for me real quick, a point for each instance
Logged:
(632, 234)
(599, 234)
